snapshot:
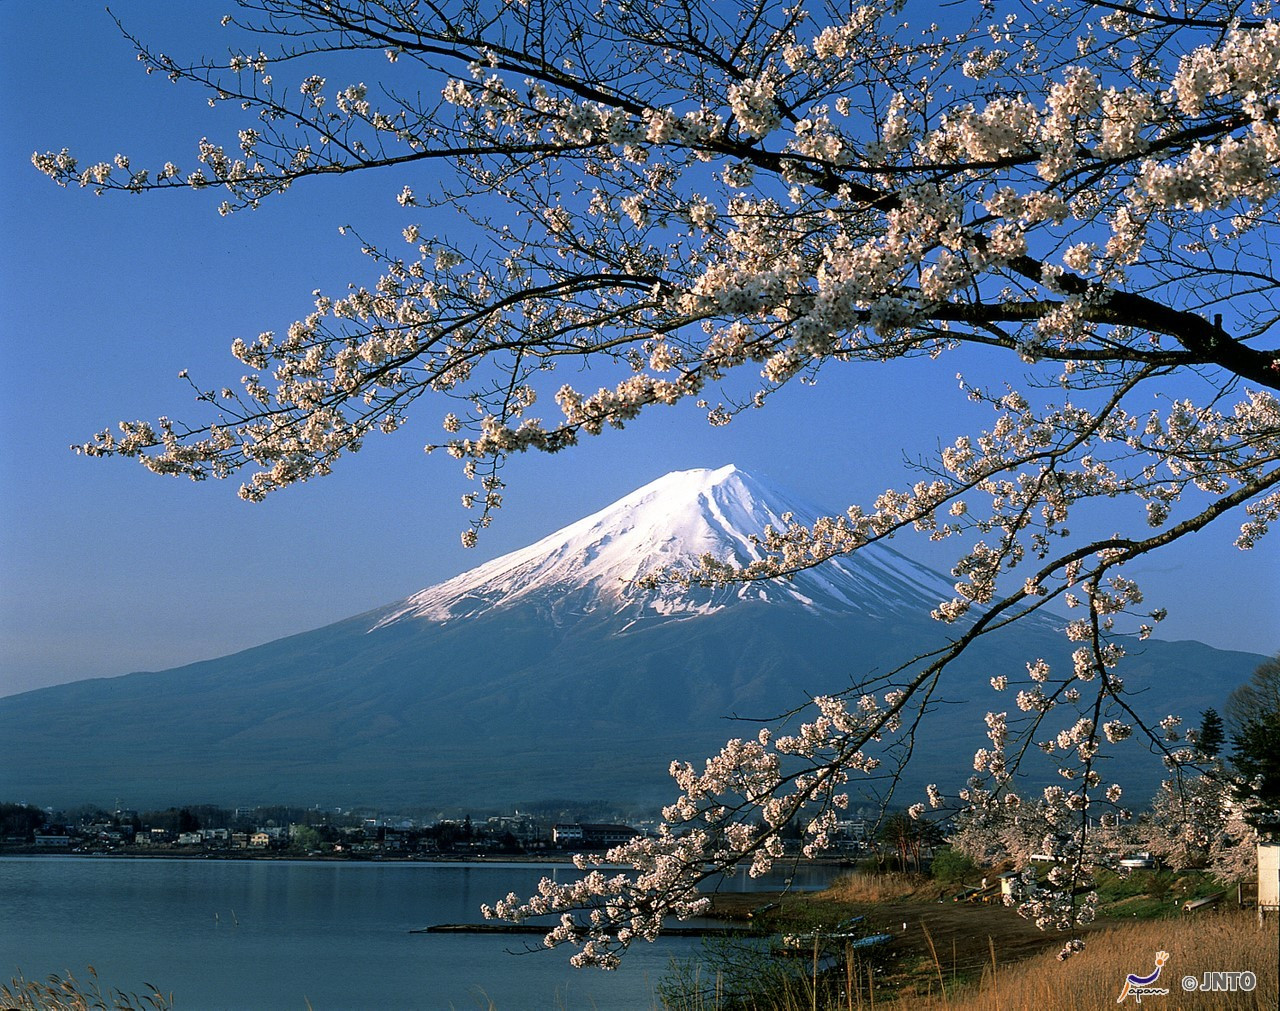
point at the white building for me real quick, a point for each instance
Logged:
(565, 834)
(1268, 878)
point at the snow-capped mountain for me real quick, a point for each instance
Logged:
(547, 673)
(595, 563)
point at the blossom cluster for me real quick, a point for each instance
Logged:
(731, 811)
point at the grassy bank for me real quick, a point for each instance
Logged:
(1227, 941)
(1217, 942)
(946, 954)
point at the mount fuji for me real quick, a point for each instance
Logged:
(594, 564)
(548, 673)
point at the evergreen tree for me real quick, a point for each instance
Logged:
(1253, 712)
(1256, 757)
(1212, 735)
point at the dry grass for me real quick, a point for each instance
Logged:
(865, 888)
(1221, 942)
(1229, 941)
(66, 993)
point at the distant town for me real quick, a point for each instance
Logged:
(336, 833)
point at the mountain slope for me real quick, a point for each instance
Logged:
(594, 563)
(544, 673)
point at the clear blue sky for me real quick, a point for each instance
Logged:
(106, 569)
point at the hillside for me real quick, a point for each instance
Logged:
(545, 674)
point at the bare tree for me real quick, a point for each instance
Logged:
(1256, 697)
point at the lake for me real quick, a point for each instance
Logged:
(280, 934)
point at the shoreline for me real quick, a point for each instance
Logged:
(557, 857)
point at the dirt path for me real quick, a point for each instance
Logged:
(963, 935)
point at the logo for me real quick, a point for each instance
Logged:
(1138, 987)
(1210, 981)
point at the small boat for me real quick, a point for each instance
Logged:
(842, 934)
(871, 941)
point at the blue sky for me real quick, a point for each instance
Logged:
(106, 569)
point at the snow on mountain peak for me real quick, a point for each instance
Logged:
(595, 562)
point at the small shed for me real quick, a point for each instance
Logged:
(1268, 878)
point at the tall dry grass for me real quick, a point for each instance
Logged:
(866, 888)
(1227, 941)
(1090, 980)
(66, 993)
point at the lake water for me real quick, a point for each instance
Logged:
(257, 934)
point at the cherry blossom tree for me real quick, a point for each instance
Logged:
(1233, 856)
(1199, 822)
(1002, 835)
(710, 201)
(1187, 819)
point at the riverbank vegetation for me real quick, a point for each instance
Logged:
(66, 993)
(1229, 942)
(1225, 942)
(949, 949)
